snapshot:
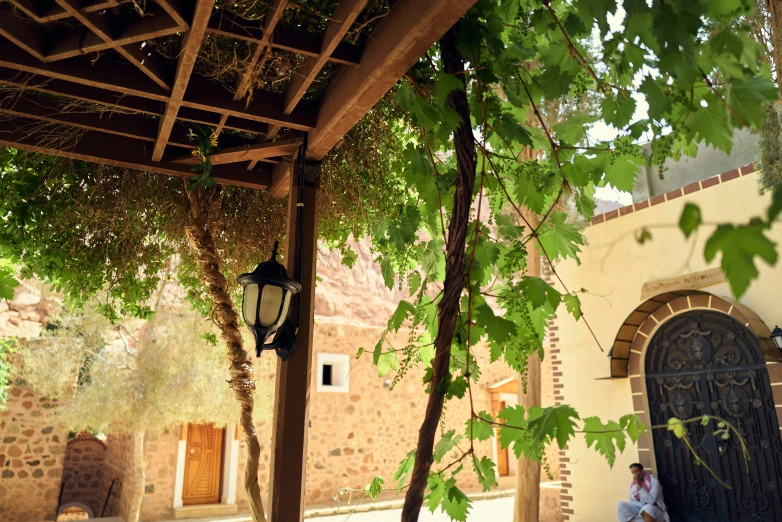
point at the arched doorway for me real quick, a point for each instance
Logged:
(706, 362)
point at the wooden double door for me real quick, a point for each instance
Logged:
(203, 465)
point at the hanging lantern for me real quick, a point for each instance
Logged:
(776, 336)
(265, 302)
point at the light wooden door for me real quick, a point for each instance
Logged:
(203, 465)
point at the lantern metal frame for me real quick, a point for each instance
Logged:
(280, 336)
(776, 336)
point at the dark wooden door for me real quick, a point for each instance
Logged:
(203, 465)
(707, 363)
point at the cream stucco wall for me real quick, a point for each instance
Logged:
(614, 266)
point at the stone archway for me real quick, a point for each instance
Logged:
(83, 481)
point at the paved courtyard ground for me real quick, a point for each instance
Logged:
(494, 510)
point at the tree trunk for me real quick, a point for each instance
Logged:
(775, 12)
(137, 494)
(527, 503)
(464, 144)
(205, 206)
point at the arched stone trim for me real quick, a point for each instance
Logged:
(79, 505)
(641, 324)
(665, 308)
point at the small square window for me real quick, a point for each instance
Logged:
(333, 373)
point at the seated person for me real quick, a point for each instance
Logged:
(646, 499)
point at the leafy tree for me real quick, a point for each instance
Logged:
(476, 103)
(133, 377)
(111, 234)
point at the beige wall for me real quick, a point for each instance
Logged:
(614, 267)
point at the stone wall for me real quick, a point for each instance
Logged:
(117, 469)
(82, 477)
(160, 455)
(32, 453)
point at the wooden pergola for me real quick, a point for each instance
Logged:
(90, 68)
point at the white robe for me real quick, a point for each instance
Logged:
(641, 501)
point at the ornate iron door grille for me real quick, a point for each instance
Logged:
(708, 363)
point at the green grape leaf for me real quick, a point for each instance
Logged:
(447, 442)
(540, 292)
(633, 425)
(375, 487)
(404, 469)
(477, 429)
(456, 388)
(618, 110)
(456, 504)
(739, 246)
(573, 305)
(607, 438)
(560, 239)
(555, 422)
(386, 363)
(437, 488)
(403, 309)
(484, 470)
(690, 219)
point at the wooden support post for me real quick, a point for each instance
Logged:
(527, 504)
(291, 405)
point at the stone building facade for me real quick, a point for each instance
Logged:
(361, 426)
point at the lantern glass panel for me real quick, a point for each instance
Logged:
(250, 304)
(778, 340)
(285, 305)
(271, 300)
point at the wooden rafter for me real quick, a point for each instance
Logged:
(407, 32)
(285, 38)
(101, 26)
(337, 27)
(261, 48)
(124, 152)
(184, 70)
(43, 13)
(256, 152)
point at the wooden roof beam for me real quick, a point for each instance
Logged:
(119, 151)
(285, 38)
(22, 34)
(259, 151)
(43, 13)
(178, 10)
(258, 57)
(74, 42)
(184, 70)
(101, 25)
(337, 27)
(406, 33)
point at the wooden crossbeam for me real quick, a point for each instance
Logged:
(178, 10)
(184, 70)
(112, 74)
(120, 151)
(406, 33)
(31, 82)
(285, 38)
(337, 27)
(256, 151)
(75, 42)
(43, 13)
(22, 34)
(135, 126)
(101, 26)
(261, 48)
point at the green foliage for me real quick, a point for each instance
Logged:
(7, 348)
(691, 219)
(539, 79)
(7, 280)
